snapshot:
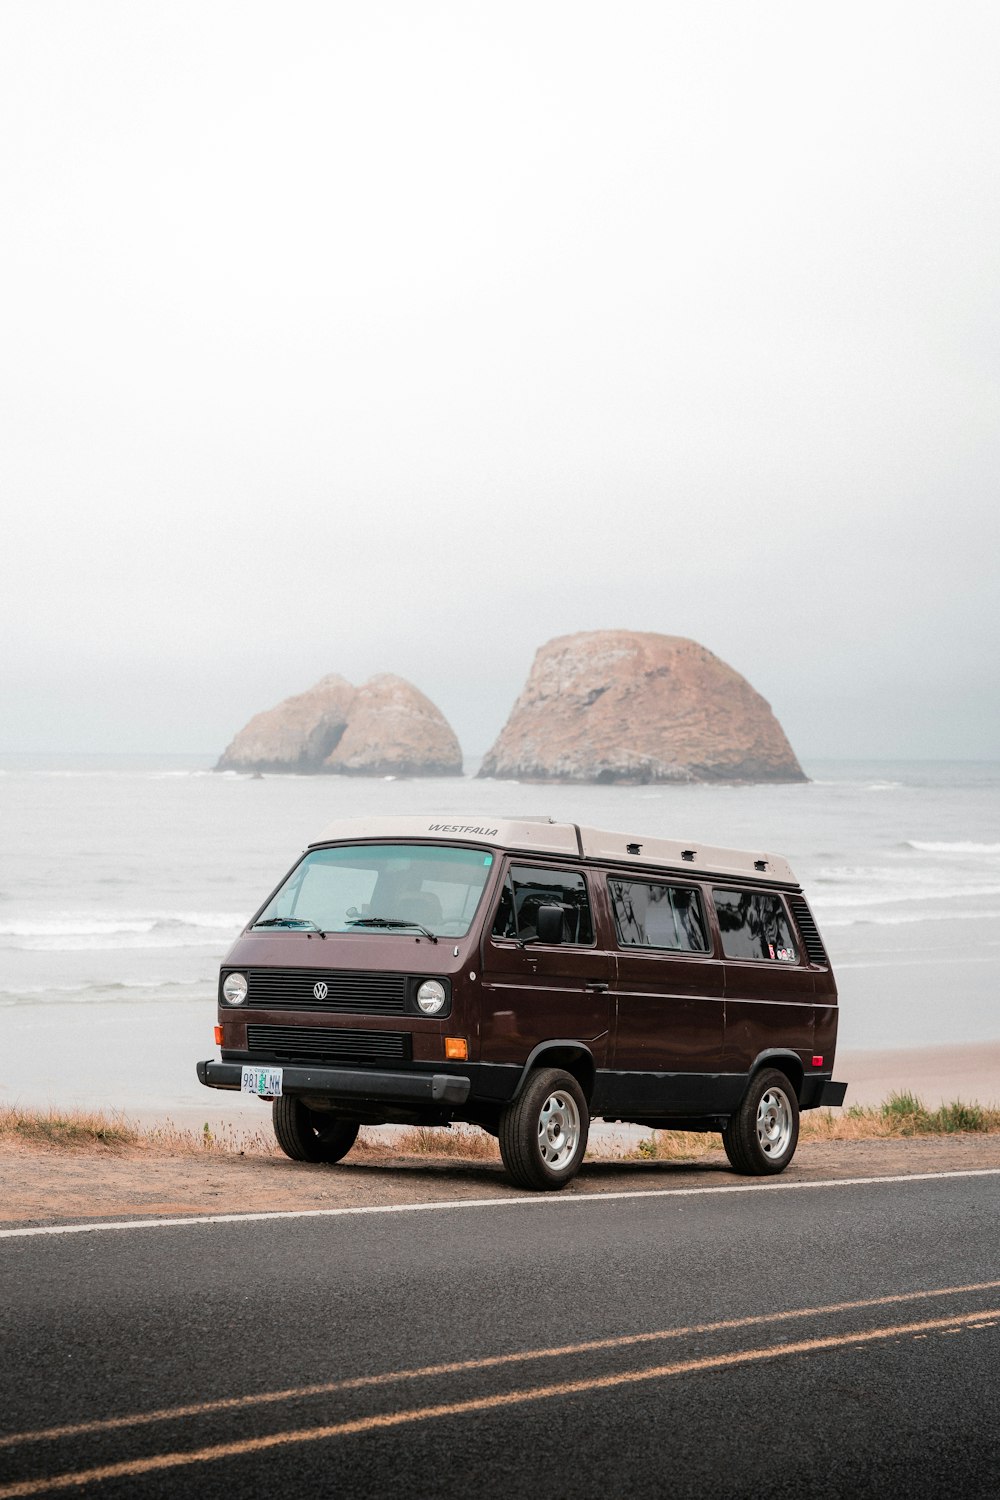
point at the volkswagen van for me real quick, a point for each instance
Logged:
(529, 976)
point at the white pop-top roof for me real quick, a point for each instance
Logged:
(546, 836)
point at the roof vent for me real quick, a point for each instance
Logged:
(633, 848)
(760, 864)
(688, 854)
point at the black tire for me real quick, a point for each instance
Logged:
(543, 1132)
(761, 1136)
(310, 1135)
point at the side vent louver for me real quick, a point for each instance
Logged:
(810, 933)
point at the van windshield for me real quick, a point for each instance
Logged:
(376, 887)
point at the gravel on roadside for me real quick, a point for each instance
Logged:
(40, 1186)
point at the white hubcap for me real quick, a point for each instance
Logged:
(774, 1123)
(558, 1130)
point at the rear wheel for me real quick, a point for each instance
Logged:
(543, 1132)
(310, 1135)
(761, 1136)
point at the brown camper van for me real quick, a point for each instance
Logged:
(528, 976)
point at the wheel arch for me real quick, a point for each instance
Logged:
(786, 1062)
(572, 1056)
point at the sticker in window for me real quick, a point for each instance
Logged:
(754, 924)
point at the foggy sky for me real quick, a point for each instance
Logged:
(403, 337)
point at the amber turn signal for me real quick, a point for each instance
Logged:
(456, 1048)
(218, 1036)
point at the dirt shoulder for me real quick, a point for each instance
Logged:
(41, 1186)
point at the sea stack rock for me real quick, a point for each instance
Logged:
(393, 729)
(627, 706)
(298, 735)
(384, 728)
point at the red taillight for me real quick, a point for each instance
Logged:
(817, 1062)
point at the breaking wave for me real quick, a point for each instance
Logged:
(961, 846)
(902, 919)
(109, 991)
(70, 932)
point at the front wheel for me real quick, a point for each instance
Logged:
(761, 1136)
(543, 1132)
(309, 1134)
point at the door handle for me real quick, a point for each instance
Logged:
(598, 988)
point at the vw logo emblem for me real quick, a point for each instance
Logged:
(321, 990)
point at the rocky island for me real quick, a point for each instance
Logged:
(386, 727)
(634, 707)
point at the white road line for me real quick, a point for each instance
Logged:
(541, 1200)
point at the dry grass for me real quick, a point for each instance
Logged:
(898, 1116)
(463, 1141)
(76, 1128)
(230, 1140)
(658, 1145)
(114, 1132)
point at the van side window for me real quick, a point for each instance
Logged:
(754, 925)
(650, 915)
(526, 889)
(504, 923)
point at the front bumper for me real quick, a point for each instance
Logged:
(354, 1084)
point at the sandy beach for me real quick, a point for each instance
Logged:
(43, 1185)
(110, 957)
(937, 1075)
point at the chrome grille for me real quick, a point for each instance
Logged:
(294, 989)
(310, 1044)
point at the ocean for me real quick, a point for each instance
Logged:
(123, 881)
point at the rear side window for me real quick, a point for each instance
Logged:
(651, 915)
(527, 888)
(754, 924)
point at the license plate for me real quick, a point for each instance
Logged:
(264, 1082)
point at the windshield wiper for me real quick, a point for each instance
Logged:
(290, 922)
(392, 922)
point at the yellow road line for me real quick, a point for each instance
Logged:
(485, 1362)
(134, 1468)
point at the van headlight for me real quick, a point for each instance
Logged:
(234, 988)
(431, 997)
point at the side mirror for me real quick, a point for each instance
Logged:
(549, 924)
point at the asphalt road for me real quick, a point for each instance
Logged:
(839, 1340)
